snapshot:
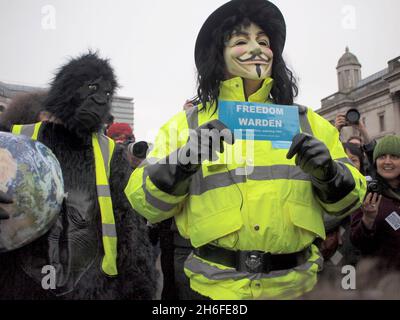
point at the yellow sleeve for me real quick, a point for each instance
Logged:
(328, 134)
(149, 201)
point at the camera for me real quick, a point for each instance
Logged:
(353, 117)
(375, 186)
(139, 149)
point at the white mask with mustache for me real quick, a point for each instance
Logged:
(247, 54)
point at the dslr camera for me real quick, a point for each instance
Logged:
(352, 117)
(375, 186)
(139, 149)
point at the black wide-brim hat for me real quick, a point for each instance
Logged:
(261, 12)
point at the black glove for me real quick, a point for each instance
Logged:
(313, 157)
(332, 180)
(173, 176)
(204, 143)
(4, 199)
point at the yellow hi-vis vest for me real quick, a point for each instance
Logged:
(251, 198)
(103, 148)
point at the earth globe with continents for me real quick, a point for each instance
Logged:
(31, 175)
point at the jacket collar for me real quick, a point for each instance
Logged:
(233, 90)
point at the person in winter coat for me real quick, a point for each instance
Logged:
(375, 227)
(251, 208)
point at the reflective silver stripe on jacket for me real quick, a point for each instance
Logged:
(109, 230)
(200, 185)
(192, 117)
(105, 151)
(196, 265)
(345, 210)
(304, 123)
(28, 130)
(103, 190)
(155, 202)
(278, 172)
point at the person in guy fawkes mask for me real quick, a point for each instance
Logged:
(98, 247)
(251, 219)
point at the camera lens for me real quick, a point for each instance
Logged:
(139, 149)
(353, 116)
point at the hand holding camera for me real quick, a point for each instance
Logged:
(350, 118)
(370, 209)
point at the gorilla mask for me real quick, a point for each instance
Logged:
(81, 93)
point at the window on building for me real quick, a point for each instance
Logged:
(382, 127)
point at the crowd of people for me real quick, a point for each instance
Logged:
(280, 222)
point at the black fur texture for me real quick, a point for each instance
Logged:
(64, 101)
(137, 275)
(24, 108)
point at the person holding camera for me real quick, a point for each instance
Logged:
(352, 118)
(375, 227)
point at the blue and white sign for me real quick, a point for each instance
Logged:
(272, 122)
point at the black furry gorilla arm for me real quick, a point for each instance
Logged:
(135, 252)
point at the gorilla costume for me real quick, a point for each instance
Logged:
(79, 101)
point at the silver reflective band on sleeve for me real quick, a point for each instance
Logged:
(196, 265)
(103, 190)
(353, 206)
(192, 118)
(200, 185)
(28, 130)
(109, 230)
(156, 203)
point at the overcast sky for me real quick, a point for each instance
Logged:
(151, 44)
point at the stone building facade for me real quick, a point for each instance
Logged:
(377, 97)
(122, 107)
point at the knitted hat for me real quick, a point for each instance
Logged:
(387, 145)
(119, 128)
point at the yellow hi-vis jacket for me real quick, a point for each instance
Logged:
(103, 148)
(256, 200)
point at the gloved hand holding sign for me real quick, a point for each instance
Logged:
(204, 143)
(172, 175)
